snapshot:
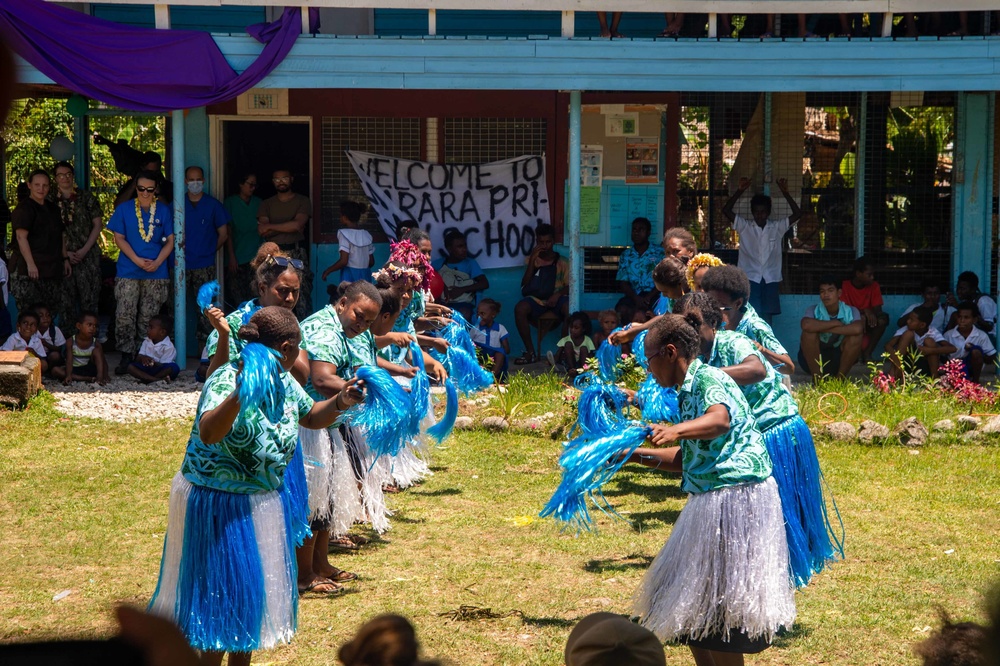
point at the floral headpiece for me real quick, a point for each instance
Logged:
(391, 273)
(407, 253)
(701, 260)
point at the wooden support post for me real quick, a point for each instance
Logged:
(887, 24)
(568, 24)
(161, 17)
(713, 26)
(432, 22)
(305, 19)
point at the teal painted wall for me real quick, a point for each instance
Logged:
(413, 22)
(207, 19)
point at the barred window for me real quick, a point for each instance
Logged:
(482, 140)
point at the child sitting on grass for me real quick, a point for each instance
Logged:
(917, 337)
(493, 339)
(575, 348)
(26, 338)
(972, 345)
(52, 338)
(608, 319)
(85, 360)
(157, 356)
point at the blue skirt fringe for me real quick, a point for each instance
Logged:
(228, 575)
(811, 540)
(295, 497)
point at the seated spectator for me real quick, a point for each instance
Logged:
(625, 308)
(609, 31)
(545, 288)
(679, 243)
(26, 338)
(932, 299)
(575, 348)
(157, 356)
(864, 293)
(967, 289)
(972, 345)
(731, 288)
(698, 266)
(917, 344)
(52, 338)
(357, 254)
(608, 319)
(85, 361)
(831, 332)
(606, 639)
(761, 241)
(493, 340)
(463, 278)
(387, 640)
(636, 264)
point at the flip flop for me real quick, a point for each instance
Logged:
(343, 543)
(341, 576)
(332, 588)
(358, 539)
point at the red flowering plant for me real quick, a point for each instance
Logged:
(954, 381)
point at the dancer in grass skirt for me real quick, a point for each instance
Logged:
(788, 440)
(720, 584)
(228, 575)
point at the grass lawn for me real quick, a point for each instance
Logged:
(83, 507)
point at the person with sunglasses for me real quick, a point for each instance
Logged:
(243, 239)
(144, 233)
(283, 219)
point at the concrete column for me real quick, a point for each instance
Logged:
(573, 219)
(180, 196)
(972, 187)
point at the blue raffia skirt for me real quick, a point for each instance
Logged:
(228, 574)
(812, 542)
(295, 497)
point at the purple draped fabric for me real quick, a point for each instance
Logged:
(141, 69)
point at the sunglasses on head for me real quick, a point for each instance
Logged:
(285, 262)
(140, 188)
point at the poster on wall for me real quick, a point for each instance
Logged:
(621, 124)
(591, 166)
(642, 160)
(496, 206)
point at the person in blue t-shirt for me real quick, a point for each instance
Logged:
(463, 278)
(144, 233)
(206, 229)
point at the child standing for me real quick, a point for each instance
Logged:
(760, 245)
(575, 348)
(26, 338)
(52, 338)
(608, 319)
(463, 278)
(85, 360)
(157, 356)
(720, 584)
(227, 577)
(917, 337)
(493, 339)
(971, 343)
(357, 255)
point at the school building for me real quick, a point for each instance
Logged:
(886, 141)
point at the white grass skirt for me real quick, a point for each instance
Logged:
(724, 569)
(374, 473)
(228, 575)
(317, 457)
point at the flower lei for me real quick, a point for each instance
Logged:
(390, 273)
(408, 253)
(701, 260)
(145, 234)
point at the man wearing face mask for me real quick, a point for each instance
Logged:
(205, 231)
(283, 219)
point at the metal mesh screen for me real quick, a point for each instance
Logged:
(395, 137)
(481, 140)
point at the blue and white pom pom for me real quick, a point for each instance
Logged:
(588, 463)
(260, 381)
(609, 357)
(420, 391)
(207, 295)
(440, 430)
(384, 415)
(658, 403)
(600, 409)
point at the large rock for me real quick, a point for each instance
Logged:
(966, 422)
(464, 423)
(992, 426)
(495, 423)
(841, 431)
(911, 432)
(20, 377)
(872, 432)
(972, 436)
(944, 425)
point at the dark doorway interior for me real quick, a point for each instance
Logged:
(261, 147)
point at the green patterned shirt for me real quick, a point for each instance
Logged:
(324, 338)
(755, 328)
(731, 459)
(236, 318)
(769, 399)
(251, 458)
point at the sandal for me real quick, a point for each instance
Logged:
(341, 576)
(358, 539)
(321, 587)
(343, 543)
(527, 358)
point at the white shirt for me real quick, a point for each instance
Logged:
(760, 249)
(492, 337)
(4, 279)
(987, 309)
(161, 352)
(931, 333)
(977, 338)
(53, 336)
(357, 243)
(941, 315)
(16, 343)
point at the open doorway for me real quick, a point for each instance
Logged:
(260, 147)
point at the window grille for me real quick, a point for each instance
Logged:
(482, 140)
(393, 137)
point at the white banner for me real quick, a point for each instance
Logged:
(497, 205)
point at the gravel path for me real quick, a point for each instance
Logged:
(124, 399)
